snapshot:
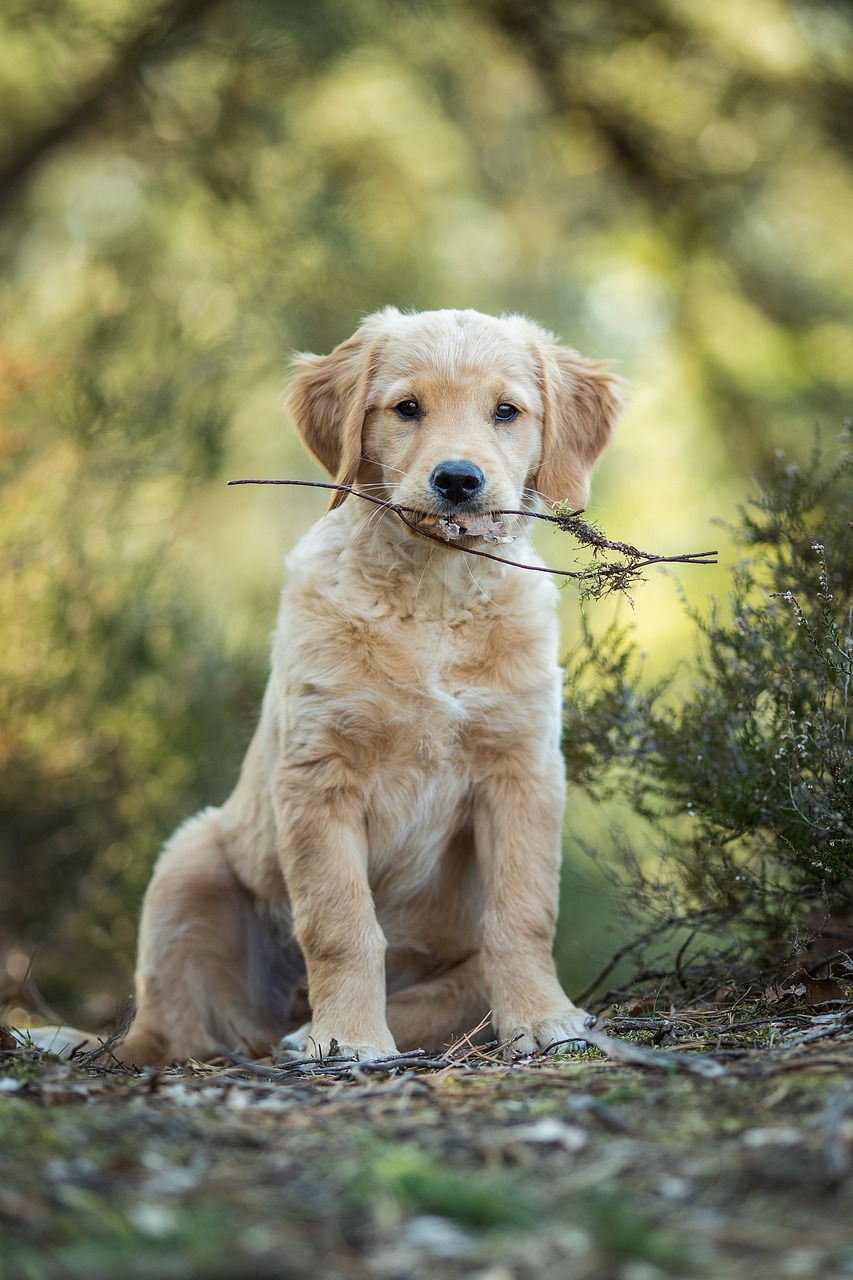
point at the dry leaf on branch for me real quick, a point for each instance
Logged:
(482, 526)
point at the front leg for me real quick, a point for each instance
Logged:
(517, 827)
(323, 846)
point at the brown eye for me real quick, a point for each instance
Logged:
(506, 412)
(408, 408)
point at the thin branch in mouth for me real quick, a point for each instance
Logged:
(597, 579)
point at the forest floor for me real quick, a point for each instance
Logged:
(724, 1150)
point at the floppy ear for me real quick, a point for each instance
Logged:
(582, 406)
(328, 403)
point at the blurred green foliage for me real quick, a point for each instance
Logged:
(192, 189)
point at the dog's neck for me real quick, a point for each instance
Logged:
(426, 576)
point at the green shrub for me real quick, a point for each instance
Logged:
(749, 778)
(120, 710)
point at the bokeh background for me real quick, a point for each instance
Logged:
(194, 189)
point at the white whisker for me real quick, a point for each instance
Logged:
(478, 585)
(364, 525)
(386, 467)
(429, 560)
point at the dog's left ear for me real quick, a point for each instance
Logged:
(582, 402)
(328, 401)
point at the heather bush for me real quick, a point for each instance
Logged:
(747, 780)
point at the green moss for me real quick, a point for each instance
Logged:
(477, 1199)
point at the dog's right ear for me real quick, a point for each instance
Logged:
(328, 401)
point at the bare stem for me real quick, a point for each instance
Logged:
(597, 579)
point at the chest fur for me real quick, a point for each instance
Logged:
(418, 686)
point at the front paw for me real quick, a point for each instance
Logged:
(561, 1031)
(310, 1043)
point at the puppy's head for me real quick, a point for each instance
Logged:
(454, 412)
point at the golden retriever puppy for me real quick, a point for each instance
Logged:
(396, 825)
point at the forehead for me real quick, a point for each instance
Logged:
(454, 346)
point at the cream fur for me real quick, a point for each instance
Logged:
(397, 818)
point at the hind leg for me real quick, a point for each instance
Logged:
(210, 976)
(428, 1014)
(436, 1011)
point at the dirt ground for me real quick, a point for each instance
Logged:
(724, 1150)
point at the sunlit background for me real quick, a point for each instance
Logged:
(191, 191)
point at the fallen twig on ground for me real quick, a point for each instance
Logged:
(780, 1042)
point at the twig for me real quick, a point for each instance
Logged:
(465, 1043)
(598, 579)
(638, 1056)
(635, 944)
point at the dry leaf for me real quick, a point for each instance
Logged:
(444, 529)
(773, 994)
(822, 990)
(475, 526)
(7, 1040)
(485, 527)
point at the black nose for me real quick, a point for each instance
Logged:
(457, 482)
